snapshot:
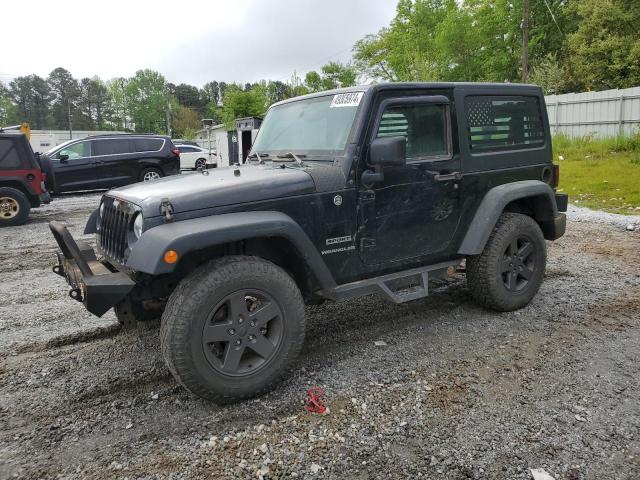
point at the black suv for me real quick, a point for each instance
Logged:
(377, 189)
(106, 161)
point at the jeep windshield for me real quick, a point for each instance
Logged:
(314, 127)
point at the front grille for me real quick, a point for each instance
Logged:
(114, 226)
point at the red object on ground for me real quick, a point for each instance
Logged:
(314, 403)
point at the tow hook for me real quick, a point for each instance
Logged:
(76, 294)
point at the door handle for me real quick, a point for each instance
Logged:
(447, 177)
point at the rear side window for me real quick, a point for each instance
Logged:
(147, 144)
(424, 126)
(9, 156)
(503, 123)
(112, 146)
(187, 149)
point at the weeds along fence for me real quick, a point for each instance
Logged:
(609, 113)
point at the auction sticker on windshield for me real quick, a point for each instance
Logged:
(346, 99)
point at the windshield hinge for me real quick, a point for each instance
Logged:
(166, 209)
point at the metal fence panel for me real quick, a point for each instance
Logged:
(600, 114)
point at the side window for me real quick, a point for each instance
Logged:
(77, 150)
(503, 122)
(9, 156)
(186, 149)
(426, 128)
(147, 144)
(111, 146)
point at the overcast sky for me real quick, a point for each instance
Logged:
(191, 41)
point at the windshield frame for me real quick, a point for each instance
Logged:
(309, 154)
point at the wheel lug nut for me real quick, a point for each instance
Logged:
(251, 337)
(231, 331)
(240, 320)
(253, 324)
(263, 331)
(238, 342)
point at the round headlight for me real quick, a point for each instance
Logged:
(138, 223)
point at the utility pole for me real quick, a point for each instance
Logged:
(69, 118)
(525, 41)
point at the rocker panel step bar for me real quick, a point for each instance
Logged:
(381, 285)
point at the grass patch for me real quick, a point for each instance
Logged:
(602, 174)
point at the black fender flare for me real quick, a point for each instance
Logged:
(195, 234)
(493, 205)
(92, 222)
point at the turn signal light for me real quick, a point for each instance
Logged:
(170, 256)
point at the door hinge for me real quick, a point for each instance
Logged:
(166, 209)
(367, 196)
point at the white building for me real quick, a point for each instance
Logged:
(43, 140)
(230, 146)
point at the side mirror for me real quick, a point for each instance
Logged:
(63, 157)
(388, 151)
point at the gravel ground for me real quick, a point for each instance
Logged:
(457, 392)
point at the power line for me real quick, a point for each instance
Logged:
(553, 17)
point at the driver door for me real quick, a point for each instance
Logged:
(414, 211)
(76, 171)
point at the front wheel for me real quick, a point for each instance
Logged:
(149, 174)
(232, 328)
(201, 163)
(509, 271)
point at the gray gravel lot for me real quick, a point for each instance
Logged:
(457, 392)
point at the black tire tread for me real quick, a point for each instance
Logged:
(23, 201)
(480, 278)
(203, 281)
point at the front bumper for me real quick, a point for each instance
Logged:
(91, 282)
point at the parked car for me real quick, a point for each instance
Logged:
(194, 157)
(107, 161)
(375, 189)
(22, 179)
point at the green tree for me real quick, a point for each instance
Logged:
(31, 95)
(65, 92)
(8, 109)
(550, 75)
(120, 115)
(474, 40)
(238, 103)
(186, 122)
(94, 104)
(147, 101)
(604, 51)
(332, 75)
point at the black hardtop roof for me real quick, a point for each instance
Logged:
(376, 87)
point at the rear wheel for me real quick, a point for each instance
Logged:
(201, 163)
(149, 174)
(232, 328)
(509, 271)
(14, 207)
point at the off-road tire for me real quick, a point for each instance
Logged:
(149, 170)
(17, 198)
(186, 314)
(484, 274)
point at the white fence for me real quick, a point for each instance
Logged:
(601, 114)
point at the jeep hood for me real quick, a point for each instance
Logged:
(217, 187)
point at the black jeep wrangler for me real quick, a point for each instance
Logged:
(377, 189)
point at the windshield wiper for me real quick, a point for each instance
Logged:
(293, 156)
(259, 156)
